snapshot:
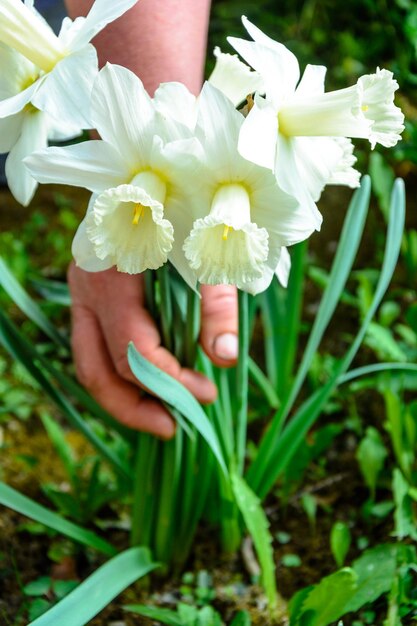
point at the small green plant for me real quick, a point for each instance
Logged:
(42, 593)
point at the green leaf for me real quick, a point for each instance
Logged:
(405, 523)
(175, 395)
(382, 180)
(25, 353)
(241, 619)
(187, 613)
(38, 607)
(277, 447)
(371, 454)
(258, 526)
(52, 290)
(166, 616)
(340, 542)
(28, 306)
(375, 570)
(291, 560)
(62, 588)
(260, 475)
(94, 593)
(383, 342)
(14, 500)
(38, 587)
(57, 436)
(207, 616)
(326, 601)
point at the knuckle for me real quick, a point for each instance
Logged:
(87, 376)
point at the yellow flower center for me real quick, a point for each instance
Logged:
(137, 213)
(226, 232)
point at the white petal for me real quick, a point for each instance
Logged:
(234, 78)
(17, 103)
(178, 213)
(101, 13)
(220, 124)
(387, 120)
(317, 158)
(123, 113)
(220, 256)
(312, 81)
(94, 165)
(231, 205)
(305, 218)
(10, 129)
(274, 256)
(174, 100)
(61, 131)
(22, 30)
(260, 284)
(136, 241)
(33, 137)
(344, 173)
(66, 91)
(275, 63)
(258, 135)
(84, 253)
(181, 161)
(331, 114)
(292, 218)
(17, 73)
(283, 268)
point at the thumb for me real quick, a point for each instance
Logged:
(219, 324)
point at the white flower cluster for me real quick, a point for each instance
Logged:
(216, 191)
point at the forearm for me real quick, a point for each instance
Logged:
(159, 40)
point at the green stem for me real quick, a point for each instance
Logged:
(166, 526)
(262, 382)
(149, 277)
(292, 314)
(144, 481)
(166, 306)
(242, 381)
(192, 328)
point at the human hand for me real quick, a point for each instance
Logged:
(108, 311)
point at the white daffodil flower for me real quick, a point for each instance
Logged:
(66, 64)
(137, 205)
(243, 218)
(298, 122)
(26, 129)
(232, 77)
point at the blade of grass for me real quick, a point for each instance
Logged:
(376, 368)
(99, 589)
(14, 500)
(24, 352)
(144, 500)
(51, 290)
(282, 449)
(345, 255)
(22, 299)
(242, 381)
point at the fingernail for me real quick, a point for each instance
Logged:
(226, 347)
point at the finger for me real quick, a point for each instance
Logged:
(219, 324)
(124, 318)
(96, 372)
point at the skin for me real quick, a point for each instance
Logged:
(159, 40)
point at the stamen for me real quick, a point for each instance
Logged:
(138, 213)
(226, 232)
(365, 107)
